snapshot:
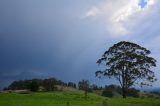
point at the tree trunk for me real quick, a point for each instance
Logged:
(124, 92)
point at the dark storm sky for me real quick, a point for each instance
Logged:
(64, 38)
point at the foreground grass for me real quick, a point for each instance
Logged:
(134, 102)
(49, 99)
(74, 99)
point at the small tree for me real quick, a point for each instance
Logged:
(129, 63)
(84, 85)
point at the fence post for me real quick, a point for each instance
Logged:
(67, 103)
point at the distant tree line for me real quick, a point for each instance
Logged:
(38, 84)
(50, 84)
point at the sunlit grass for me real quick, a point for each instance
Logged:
(74, 99)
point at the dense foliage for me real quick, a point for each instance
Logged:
(33, 86)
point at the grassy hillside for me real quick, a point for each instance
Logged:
(74, 99)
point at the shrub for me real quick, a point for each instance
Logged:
(133, 92)
(107, 93)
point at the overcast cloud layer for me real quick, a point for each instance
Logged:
(64, 39)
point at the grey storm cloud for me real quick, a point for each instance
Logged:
(45, 39)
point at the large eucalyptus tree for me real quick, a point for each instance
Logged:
(129, 63)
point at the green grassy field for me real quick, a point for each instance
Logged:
(74, 99)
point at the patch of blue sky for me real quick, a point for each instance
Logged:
(142, 3)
